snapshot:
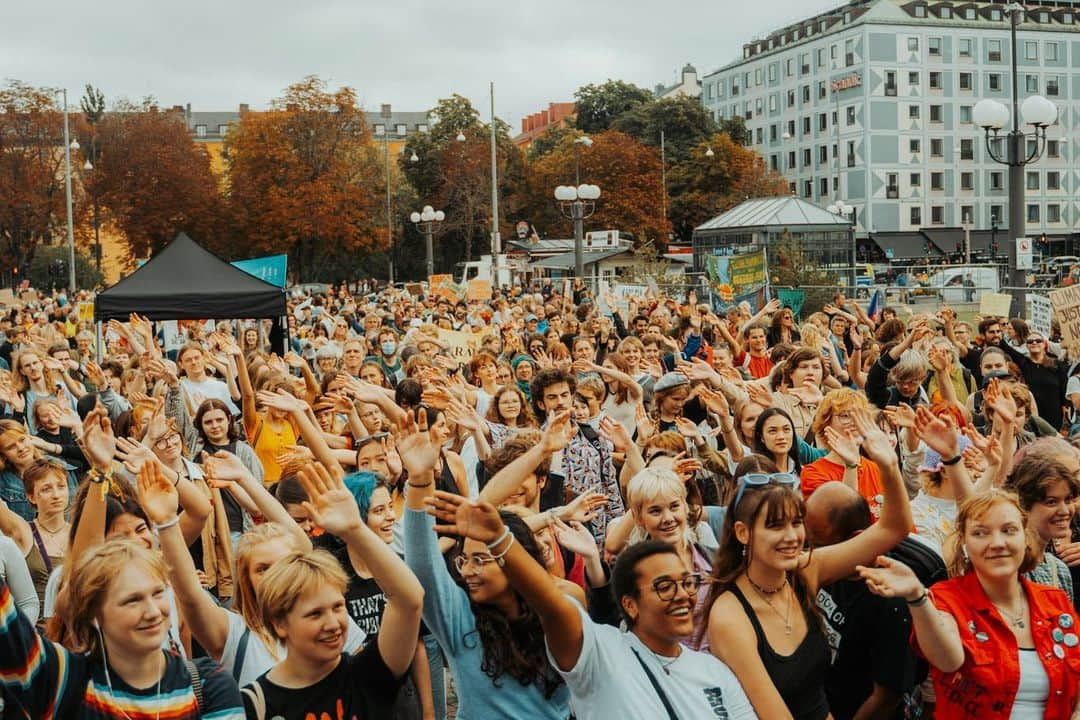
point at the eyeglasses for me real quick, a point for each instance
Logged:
(170, 439)
(463, 561)
(757, 480)
(667, 588)
(1034, 341)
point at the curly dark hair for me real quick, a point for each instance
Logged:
(513, 647)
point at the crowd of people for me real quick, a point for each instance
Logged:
(595, 507)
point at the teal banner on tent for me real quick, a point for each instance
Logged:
(270, 269)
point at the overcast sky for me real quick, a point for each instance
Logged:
(216, 55)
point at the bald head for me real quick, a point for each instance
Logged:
(834, 513)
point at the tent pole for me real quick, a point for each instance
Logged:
(97, 341)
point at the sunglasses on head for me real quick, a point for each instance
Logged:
(756, 480)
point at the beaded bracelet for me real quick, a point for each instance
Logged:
(166, 525)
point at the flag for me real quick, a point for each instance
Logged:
(875, 306)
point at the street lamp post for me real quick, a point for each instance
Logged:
(992, 116)
(847, 212)
(425, 221)
(578, 203)
(578, 142)
(69, 145)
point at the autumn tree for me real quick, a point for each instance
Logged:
(305, 179)
(628, 173)
(151, 180)
(31, 172)
(702, 187)
(455, 176)
(597, 106)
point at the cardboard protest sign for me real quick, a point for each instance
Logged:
(460, 345)
(86, 312)
(414, 289)
(478, 290)
(1040, 312)
(1066, 303)
(995, 305)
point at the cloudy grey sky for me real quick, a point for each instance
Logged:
(216, 55)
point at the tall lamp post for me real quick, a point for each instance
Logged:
(69, 145)
(847, 212)
(992, 116)
(578, 203)
(425, 221)
(578, 142)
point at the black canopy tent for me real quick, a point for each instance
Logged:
(184, 281)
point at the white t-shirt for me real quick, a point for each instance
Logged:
(697, 685)
(207, 389)
(257, 657)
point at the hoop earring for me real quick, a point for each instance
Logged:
(963, 550)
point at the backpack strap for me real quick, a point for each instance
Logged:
(241, 653)
(656, 687)
(196, 683)
(254, 693)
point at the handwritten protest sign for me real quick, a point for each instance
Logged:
(414, 289)
(1066, 303)
(460, 345)
(478, 290)
(1040, 311)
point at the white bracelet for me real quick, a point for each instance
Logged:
(492, 545)
(165, 526)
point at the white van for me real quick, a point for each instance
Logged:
(949, 282)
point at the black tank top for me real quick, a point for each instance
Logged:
(800, 676)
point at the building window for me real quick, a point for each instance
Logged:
(823, 154)
(791, 98)
(1053, 213)
(759, 134)
(1032, 181)
(965, 81)
(937, 146)
(823, 187)
(791, 128)
(222, 130)
(913, 112)
(936, 114)
(913, 78)
(915, 146)
(890, 83)
(993, 82)
(937, 215)
(993, 50)
(822, 122)
(964, 46)
(1066, 18)
(772, 73)
(851, 115)
(380, 129)
(772, 103)
(849, 53)
(945, 12)
(969, 13)
(806, 159)
(919, 11)
(1053, 85)
(822, 90)
(1031, 50)
(995, 15)
(833, 49)
(916, 179)
(791, 187)
(791, 160)
(967, 149)
(935, 81)
(933, 46)
(806, 126)
(851, 153)
(965, 114)
(789, 67)
(804, 64)
(1052, 51)
(759, 106)
(892, 186)
(995, 180)
(967, 212)
(757, 76)
(805, 93)
(1053, 180)
(997, 212)
(774, 163)
(913, 44)
(819, 56)
(1033, 213)
(967, 181)
(1031, 83)
(808, 188)
(200, 131)
(774, 133)
(1053, 148)
(937, 181)
(400, 129)
(916, 216)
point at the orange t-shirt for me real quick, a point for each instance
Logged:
(824, 470)
(759, 367)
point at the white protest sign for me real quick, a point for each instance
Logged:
(1066, 303)
(623, 293)
(172, 337)
(1040, 311)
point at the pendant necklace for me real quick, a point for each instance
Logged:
(1017, 620)
(764, 595)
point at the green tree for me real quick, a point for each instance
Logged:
(597, 106)
(683, 120)
(735, 127)
(42, 278)
(792, 265)
(548, 141)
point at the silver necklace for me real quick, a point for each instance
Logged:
(665, 662)
(1016, 620)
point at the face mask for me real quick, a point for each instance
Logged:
(388, 348)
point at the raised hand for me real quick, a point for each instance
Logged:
(940, 359)
(938, 433)
(559, 432)
(465, 518)
(463, 415)
(417, 450)
(224, 466)
(900, 416)
(759, 394)
(846, 445)
(157, 496)
(293, 457)
(281, 400)
(685, 467)
(891, 578)
(98, 442)
(694, 370)
(646, 428)
(876, 443)
(999, 399)
(95, 375)
(808, 393)
(133, 454)
(615, 433)
(576, 538)
(581, 367)
(715, 402)
(977, 439)
(294, 361)
(688, 429)
(331, 505)
(583, 507)
(437, 397)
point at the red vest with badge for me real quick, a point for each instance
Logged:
(985, 685)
